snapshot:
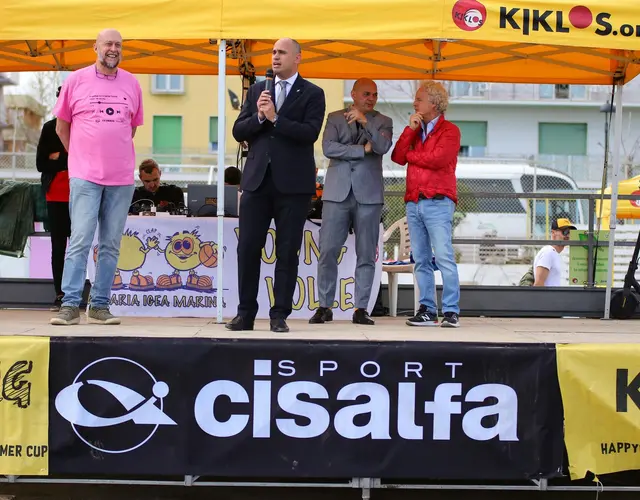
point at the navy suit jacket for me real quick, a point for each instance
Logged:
(288, 145)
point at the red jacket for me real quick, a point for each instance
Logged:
(432, 164)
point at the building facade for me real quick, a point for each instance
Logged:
(553, 126)
(181, 121)
(5, 80)
(24, 122)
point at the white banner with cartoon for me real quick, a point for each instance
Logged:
(168, 267)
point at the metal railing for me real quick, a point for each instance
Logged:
(180, 169)
(494, 200)
(591, 243)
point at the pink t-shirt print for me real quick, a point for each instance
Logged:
(102, 113)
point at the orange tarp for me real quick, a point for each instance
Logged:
(495, 41)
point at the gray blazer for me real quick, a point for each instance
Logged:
(349, 167)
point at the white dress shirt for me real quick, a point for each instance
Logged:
(278, 88)
(290, 81)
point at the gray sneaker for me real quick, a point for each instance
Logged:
(67, 315)
(101, 316)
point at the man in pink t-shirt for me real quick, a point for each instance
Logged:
(98, 112)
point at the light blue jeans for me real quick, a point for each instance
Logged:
(430, 229)
(94, 206)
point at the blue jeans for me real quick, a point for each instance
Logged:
(94, 206)
(430, 224)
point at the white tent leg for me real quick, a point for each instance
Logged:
(222, 100)
(615, 179)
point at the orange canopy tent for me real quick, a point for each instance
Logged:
(471, 40)
(532, 41)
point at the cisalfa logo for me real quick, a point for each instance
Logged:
(469, 15)
(114, 405)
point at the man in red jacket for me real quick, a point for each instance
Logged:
(430, 146)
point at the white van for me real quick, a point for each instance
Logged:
(511, 217)
(504, 217)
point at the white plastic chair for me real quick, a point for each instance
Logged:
(393, 270)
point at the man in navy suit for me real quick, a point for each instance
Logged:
(278, 181)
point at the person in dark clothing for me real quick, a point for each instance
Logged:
(51, 161)
(165, 197)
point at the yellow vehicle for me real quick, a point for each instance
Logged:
(627, 209)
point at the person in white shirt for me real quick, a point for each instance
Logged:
(547, 264)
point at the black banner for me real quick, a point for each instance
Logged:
(287, 409)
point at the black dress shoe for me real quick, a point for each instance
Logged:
(279, 325)
(238, 324)
(361, 317)
(322, 315)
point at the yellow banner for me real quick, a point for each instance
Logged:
(594, 23)
(24, 406)
(600, 386)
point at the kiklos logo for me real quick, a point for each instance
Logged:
(108, 415)
(579, 17)
(550, 21)
(469, 15)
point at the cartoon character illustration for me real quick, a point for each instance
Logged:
(184, 252)
(133, 254)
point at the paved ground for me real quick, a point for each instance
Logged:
(566, 330)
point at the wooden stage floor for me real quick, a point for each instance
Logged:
(565, 330)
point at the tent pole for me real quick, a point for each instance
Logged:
(222, 101)
(615, 179)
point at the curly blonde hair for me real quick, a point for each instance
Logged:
(436, 93)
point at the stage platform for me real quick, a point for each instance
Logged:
(498, 403)
(499, 330)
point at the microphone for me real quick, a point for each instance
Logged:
(269, 80)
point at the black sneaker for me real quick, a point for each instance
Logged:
(450, 320)
(361, 317)
(423, 318)
(322, 315)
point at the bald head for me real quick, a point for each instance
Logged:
(286, 57)
(290, 42)
(364, 82)
(108, 48)
(108, 34)
(364, 95)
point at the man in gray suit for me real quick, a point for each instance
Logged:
(354, 140)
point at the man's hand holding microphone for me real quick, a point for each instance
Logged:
(266, 109)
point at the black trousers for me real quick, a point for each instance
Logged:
(257, 209)
(60, 229)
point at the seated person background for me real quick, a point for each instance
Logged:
(232, 176)
(165, 197)
(547, 264)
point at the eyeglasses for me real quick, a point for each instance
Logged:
(566, 232)
(105, 77)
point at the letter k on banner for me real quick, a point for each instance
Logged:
(600, 385)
